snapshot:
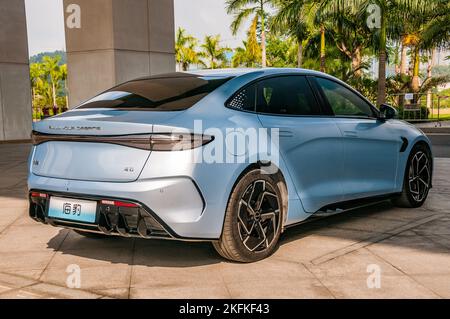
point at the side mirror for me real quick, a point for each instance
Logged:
(387, 112)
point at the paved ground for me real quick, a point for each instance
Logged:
(439, 133)
(329, 258)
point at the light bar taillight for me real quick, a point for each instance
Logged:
(119, 204)
(178, 142)
(37, 194)
(150, 142)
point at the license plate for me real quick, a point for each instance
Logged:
(72, 209)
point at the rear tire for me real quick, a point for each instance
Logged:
(253, 219)
(417, 179)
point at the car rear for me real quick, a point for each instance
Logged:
(86, 164)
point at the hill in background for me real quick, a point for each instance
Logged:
(38, 57)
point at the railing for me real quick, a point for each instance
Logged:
(421, 107)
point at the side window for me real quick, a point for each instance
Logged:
(286, 95)
(245, 99)
(343, 101)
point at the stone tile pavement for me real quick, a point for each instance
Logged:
(326, 258)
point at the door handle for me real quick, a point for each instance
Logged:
(286, 133)
(350, 134)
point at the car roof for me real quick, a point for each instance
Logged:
(243, 71)
(224, 73)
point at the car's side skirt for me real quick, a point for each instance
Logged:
(345, 206)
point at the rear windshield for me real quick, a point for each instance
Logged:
(175, 93)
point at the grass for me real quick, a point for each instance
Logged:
(443, 117)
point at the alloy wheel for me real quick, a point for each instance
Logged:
(419, 176)
(258, 216)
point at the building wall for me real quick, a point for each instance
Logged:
(118, 40)
(15, 90)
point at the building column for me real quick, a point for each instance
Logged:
(116, 41)
(15, 87)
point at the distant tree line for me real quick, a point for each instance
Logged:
(336, 37)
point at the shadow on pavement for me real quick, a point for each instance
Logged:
(375, 221)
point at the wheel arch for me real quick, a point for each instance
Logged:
(281, 182)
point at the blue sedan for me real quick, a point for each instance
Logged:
(233, 157)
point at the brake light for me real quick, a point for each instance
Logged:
(178, 142)
(119, 203)
(149, 142)
(36, 194)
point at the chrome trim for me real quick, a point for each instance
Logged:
(135, 141)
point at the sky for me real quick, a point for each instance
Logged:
(45, 22)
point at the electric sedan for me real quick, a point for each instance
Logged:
(233, 157)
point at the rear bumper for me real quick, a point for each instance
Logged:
(170, 208)
(136, 221)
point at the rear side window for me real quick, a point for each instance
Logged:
(245, 99)
(286, 95)
(175, 93)
(283, 95)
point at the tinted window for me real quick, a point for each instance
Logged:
(245, 99)
(175, 93)
(286, 95)
(343, 101)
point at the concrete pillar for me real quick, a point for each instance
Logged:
(15, 88)
(118, 40)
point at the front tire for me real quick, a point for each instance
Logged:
(417, 180)
(253, 219)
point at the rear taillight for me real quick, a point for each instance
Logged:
(119, 203)
(150, 142)
(178, 142)
(40, 195)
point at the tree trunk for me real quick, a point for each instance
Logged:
(300, 54)
(403, 64)
(430, 75)
(396, 59)
(415, 85)
(67, 94)
(322, 48)
(54, 93)
(263, 39)
(381, 96)
(356, 62)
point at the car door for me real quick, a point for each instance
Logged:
(310, 144)
(371, 146)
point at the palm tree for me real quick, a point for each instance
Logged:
(351, 35)
(36, 74)
(37, 84)
(243, 9)
(64, 74)
(240, 57)
(282, 51)
(213, 52)
(418, 32)
(392, 11)
(185, 50)
(53, 72)
(250, 54)
(436, 35)
(295, 17)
